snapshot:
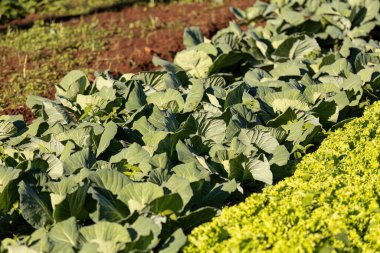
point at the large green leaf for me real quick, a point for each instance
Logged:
(135, 96)
(224, 61)
(147, 232)
(55, 113)
(260, 139)
(153, 139)
(108, 207)
(211, 129)
(111, 180)
(292, 17)
(167, 204)
(65, 232)
(8, 188)
(196, 63)
(181, 185)
(320, 91)
(134, 154)
(169, 99)
(219, 193)
(194, 97)
(74, 83)
(91, 101)
(174, 243)
(35, 206)
(245, 170)
(138, 195)
(197, 217)
(108, 237)
(280, 156)
(260, 170)
(339, 67)
(55, 169)
(81, 159)
(234, 96)
(282, 69)
(190, 172)
(157, 61)
(297, 47)
(73, 204)
(281, 101)
(80, 136)
(110, 130)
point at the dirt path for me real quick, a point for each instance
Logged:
(141, 33)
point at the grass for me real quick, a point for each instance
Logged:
(32, 61)
(45, 53)
(13, 9)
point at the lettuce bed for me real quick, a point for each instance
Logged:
(331, 203)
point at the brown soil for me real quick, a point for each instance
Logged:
(132, 55)
(161, 35)
(23, 22)
(26, 112)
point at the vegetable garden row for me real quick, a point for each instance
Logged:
(134, 164)
(331, 204)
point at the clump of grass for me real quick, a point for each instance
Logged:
(45, 53)
(12, 9)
